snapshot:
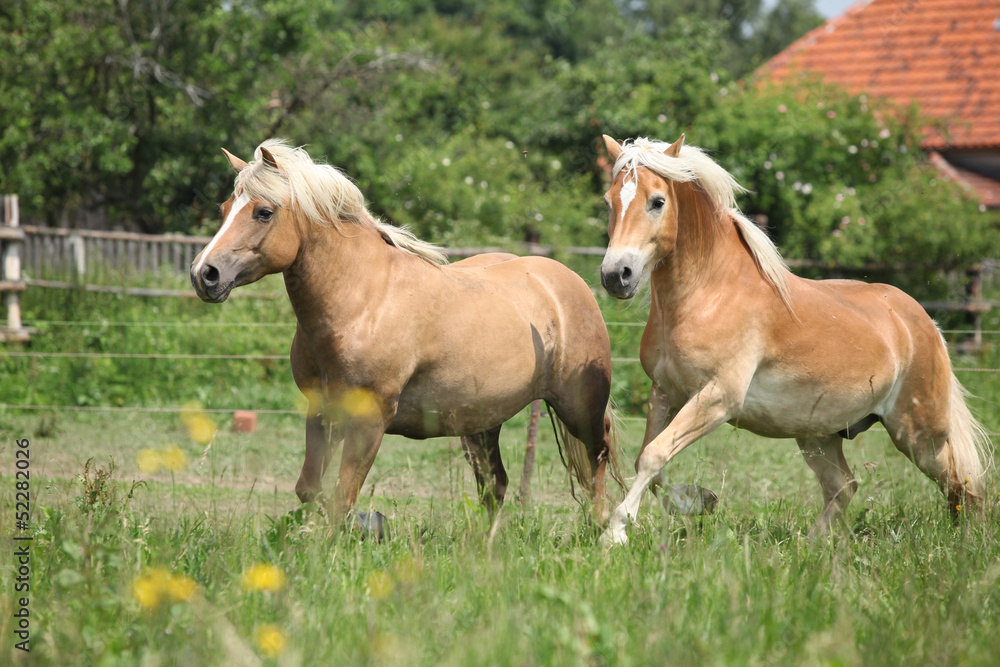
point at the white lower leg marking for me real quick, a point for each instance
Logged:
(626, 512)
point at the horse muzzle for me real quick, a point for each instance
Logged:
(621, 274)
(209, 283)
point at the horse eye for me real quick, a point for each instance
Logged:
(657, 203)
(264, 214)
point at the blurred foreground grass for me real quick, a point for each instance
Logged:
(164, 567)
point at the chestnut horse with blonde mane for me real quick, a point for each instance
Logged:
(392, 339)
(734, 337)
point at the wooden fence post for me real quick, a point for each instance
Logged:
(78, 253)
(974, 307)
(11, 285)
(524, 494)
(974, 293)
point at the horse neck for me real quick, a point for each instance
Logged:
(338, 274)
(708, 250)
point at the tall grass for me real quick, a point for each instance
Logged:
(899, 584)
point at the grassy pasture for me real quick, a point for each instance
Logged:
(162, 572)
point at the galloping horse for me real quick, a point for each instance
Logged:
(734, 337)
(392, 339)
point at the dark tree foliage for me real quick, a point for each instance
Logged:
(469, 122)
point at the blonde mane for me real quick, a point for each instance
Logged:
(323, 195)
(694, 165)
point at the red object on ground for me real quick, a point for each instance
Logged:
(244, 421)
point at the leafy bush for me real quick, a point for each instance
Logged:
(841, 178)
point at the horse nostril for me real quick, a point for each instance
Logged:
(626, 274)
(210, 276)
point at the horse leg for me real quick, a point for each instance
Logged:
(482, 451)
(928, 446)
(320, 448)
(361, 443)
(825, 455)
(931, 424)
(703, 413)
(658, 415)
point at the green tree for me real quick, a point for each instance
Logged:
(470, 122)
(120, 107)
(751, 32)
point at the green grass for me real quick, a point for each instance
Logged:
(898, 584)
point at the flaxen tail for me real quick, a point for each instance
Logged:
(576, 458)
(971, 449)
(613, 427)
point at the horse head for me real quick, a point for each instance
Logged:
(642, 227)
(259, 236)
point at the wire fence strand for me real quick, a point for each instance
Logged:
(94, 323)
(266, 357)
(103, 323)
(142, 355)
(140, 408)
(273, 357)
(177, 410)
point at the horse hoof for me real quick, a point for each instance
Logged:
(689, 499)
(611, 537)
(372, 524)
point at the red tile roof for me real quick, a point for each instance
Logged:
(985, 189)
(942, 54)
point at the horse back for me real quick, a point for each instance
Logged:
(491, 334)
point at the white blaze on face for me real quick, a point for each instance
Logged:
(627, 194)
(238, 205)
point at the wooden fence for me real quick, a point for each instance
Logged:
(88, 254)
(11, 285)
(51, 252)
(102, 261)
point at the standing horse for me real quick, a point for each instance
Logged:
(392, 339)
(734, 337)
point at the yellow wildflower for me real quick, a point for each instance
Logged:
(180, 588)
(191, 410)
(379, 585)
(361, 402)
(149, 461)
(157, 585)
(173, 458)
(201, 429)
(386, 647)
(147, 589)
(313, 400)
(271, 640)
(264, 577)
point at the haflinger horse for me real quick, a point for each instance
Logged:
(734, 337)
(393, 339)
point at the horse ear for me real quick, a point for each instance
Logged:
(614, 148)
(237, 164)
(675, 148)
(268, 158)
